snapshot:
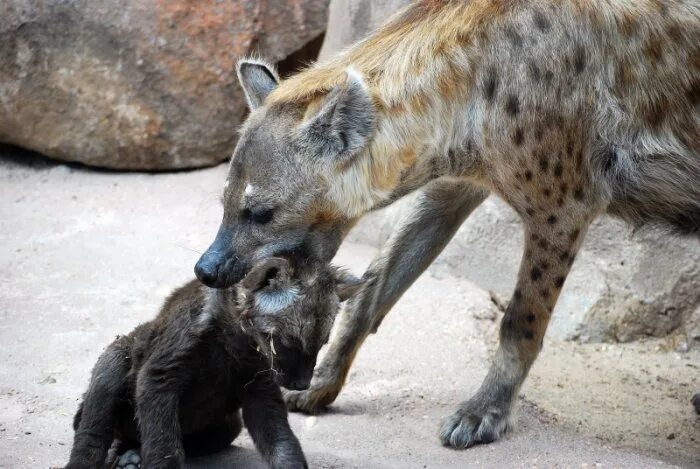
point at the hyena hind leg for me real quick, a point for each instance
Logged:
(550, 247)
(94, 421)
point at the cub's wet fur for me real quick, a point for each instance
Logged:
(565, 109)
(174, 385)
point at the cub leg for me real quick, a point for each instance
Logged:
(94, 421)
(157, 400)
(215, 437)
(265, 416)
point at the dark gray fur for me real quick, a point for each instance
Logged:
(176, 384)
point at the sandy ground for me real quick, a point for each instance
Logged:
(87, 255)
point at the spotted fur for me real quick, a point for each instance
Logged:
(566, 109)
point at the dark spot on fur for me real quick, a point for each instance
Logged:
(609, 158)
(530, 318)
(538, 134)
(512, 105)
(547, 192)
(535, 274)
(544, 266)
(578, 194)
(579, 59)
(508, 323)
(560, 201)
(543, 243)
(548, 76)
(541, 21)
(491, 85)
(517, 294)
(564, 187)
(528, 175)
(564, 256)
(518, 137)
(558, 170)
(514, 37)
(544, 293)
(534, 72)
(530, 211)
(559, 281)
(573, 236)
(544, 164)
(529, 335)
(551, 219)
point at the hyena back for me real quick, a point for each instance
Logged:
(565, 109)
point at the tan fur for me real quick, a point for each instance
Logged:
(564, 108)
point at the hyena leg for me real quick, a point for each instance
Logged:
(95, 419)
(265, 416)
(439, 211)
(550, 248)
(157, 397)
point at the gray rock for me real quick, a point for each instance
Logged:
(623, 286)
(133, 84)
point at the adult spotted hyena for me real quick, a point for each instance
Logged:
(566, 109)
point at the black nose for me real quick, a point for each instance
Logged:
(207, 270)
(296, 384)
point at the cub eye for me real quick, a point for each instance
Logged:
(259, 216)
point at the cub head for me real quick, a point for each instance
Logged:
(287, 189)
(290, 314)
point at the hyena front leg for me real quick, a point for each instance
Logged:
(439, 211)
(551, 243)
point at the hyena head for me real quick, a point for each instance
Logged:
(290, 313)
(281, 194)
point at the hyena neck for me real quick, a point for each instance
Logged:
(418, 71)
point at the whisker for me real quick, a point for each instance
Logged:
(185, 247)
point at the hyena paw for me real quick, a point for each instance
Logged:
(473, 424)
(320, 394)
(129, 460)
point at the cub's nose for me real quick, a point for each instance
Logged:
(207, 270)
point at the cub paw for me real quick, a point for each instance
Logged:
(129, 460)
(472, 424)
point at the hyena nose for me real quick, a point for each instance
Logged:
(207, 270)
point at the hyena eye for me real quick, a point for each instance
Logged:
(259, 216)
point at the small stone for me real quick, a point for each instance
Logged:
(671, 436)
(310, 421)
(682, 347)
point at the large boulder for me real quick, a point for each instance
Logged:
(138, 84)
(623, 285)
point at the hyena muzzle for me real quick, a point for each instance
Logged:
(565, 109)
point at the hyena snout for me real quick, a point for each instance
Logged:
(296, 368)
(220, 266)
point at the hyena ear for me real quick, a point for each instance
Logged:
(271, 271)
(258, 79)
(344, 123)
(346, 284)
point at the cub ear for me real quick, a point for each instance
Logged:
(344, 123)
(346, 284)
(258, 79)
(271, 271)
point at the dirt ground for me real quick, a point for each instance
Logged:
(87, 255)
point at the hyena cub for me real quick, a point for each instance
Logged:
(175, 384)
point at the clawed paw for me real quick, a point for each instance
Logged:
(473, 424)
(311, 400)
(129, 460)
